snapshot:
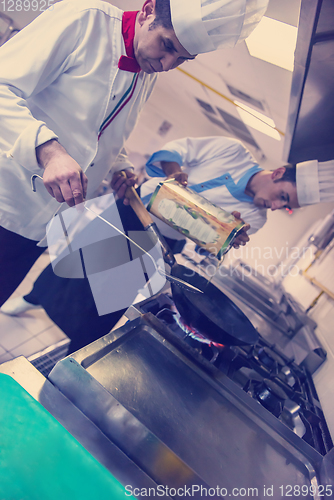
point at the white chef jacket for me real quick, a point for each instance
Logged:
(59, 78)
(218, 168)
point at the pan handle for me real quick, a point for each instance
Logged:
(139, 207)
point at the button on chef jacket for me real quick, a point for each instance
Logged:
(60, 78)
(218, 168)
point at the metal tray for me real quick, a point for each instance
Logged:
(228, 439)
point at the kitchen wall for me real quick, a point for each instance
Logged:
(277, 240)
(323, 313)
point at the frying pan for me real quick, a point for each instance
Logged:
(212, 313)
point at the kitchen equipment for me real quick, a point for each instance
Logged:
(212, 423)
(153, 458)
(310, 125)
(153, 394)
(212, 314)
(274, 357)
(195, 217)
(148, 223)
(323, 234)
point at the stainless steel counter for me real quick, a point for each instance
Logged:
(153, 415)
(203, 419)
(72, 419)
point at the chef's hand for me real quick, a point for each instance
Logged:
(242, 237)
(121, 181)
(180, 177)
(63, 177)
(173, 171)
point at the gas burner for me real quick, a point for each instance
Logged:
(287, 376)
(166, 315)
(269, 394)
(194, 333)
(206, 347)
(291, 417)
(268, 359)
(164, 309)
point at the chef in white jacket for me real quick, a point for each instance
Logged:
(223, 171)
(72, 85)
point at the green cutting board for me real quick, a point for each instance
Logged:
(40, 460)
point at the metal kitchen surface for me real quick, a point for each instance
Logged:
(205, 419)
(77, 424)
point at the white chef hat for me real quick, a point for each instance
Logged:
(206, 25)
(315, 182)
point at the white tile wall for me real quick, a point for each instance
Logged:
(324, 377)
(323, 314)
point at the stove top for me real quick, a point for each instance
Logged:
(235, 416)
(263, 371)
(169, 406)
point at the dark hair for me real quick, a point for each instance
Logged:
(162, 15)
(289, 174)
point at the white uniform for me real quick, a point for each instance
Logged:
(60, 79)
(218, 168)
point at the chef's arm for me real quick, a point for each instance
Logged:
(166, 162)
(63, 177)
(21, 132)
(48, 47)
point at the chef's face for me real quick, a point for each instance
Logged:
(156, 48)
(274, 193)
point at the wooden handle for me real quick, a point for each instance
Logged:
(137, 205)
(146, 220)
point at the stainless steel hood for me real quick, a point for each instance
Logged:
(310, 128)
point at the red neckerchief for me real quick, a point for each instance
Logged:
(129, 62)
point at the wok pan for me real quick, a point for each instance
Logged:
(212, 313)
